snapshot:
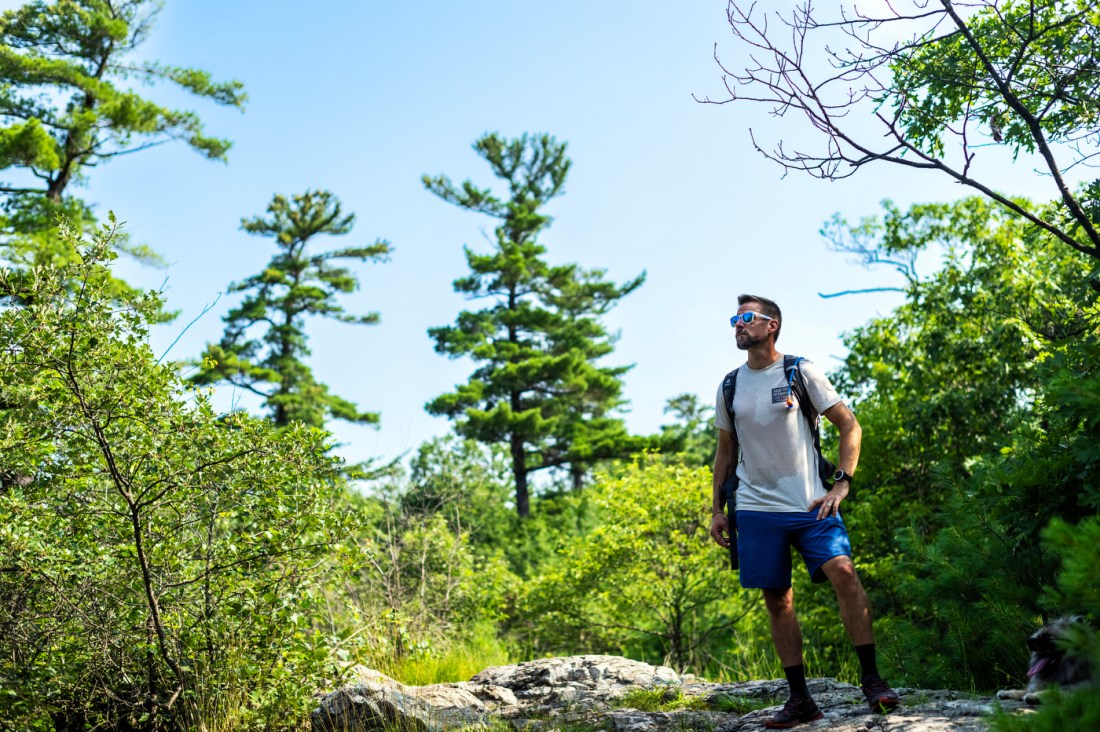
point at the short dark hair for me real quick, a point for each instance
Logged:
(767, 307)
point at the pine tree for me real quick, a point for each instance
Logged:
(537, 387)
(67, 104)
(295, 284)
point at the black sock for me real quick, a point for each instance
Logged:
(867, 663)
(796, 680)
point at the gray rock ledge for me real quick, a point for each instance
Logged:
(586, 693)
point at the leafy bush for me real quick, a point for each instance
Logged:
(991, 571)
(436, 579)
(160, 563)
(647, 581)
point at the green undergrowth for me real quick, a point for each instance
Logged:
(671, 699)
(1078, 710)
(457, 661)
(661, 699)
(756, 661)
(492, 724)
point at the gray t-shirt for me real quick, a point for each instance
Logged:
(778, 467)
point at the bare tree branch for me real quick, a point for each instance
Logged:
(950, 72)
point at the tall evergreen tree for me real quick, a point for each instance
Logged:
(67, 104)
(295, 284)
(537, 388)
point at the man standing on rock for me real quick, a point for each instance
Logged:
(782, 502)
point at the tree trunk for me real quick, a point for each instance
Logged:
(577, 473)
(678, 650)
(57, 185)
(519, 472)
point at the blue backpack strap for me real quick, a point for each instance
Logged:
(796, 387)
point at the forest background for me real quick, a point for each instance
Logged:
(169, 561)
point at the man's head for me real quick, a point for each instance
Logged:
(760, 328)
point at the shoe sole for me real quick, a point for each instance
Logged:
(770, 725)
(882, 706)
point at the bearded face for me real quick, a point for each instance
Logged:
(746, 340)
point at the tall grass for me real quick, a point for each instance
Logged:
(457, 660)
(758, 661)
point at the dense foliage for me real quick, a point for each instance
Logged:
(944, 377)
(160, 563)
(165, 566)
(646, 577)
(971, 395)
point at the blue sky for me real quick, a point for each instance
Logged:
(362, 98)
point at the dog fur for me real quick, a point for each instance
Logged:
(1052, 665)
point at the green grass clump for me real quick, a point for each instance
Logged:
(659, 700)
(492, 724)
(759, 662)
(457, 661)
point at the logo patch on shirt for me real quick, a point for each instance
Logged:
(779, 394)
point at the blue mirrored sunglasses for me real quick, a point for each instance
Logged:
(747, 318)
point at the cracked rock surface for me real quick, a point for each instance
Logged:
(579, 693)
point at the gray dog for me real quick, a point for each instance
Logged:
(1052, 663)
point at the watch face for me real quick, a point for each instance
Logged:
(838, 475)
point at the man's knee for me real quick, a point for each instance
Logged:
(779, 602)
(841, 572)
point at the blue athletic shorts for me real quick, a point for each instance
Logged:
(764, 542)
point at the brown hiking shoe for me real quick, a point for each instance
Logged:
(880, 697)
(797, 710)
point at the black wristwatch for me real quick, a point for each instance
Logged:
(841, 475)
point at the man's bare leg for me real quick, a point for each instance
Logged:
(855, 610)
(787, 637)
(786, 632)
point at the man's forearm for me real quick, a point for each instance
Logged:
(720, 468)
(850, 433)
(848, 454)
(723, 456)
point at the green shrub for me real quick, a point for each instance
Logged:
(1079, 710)
(162, 563)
